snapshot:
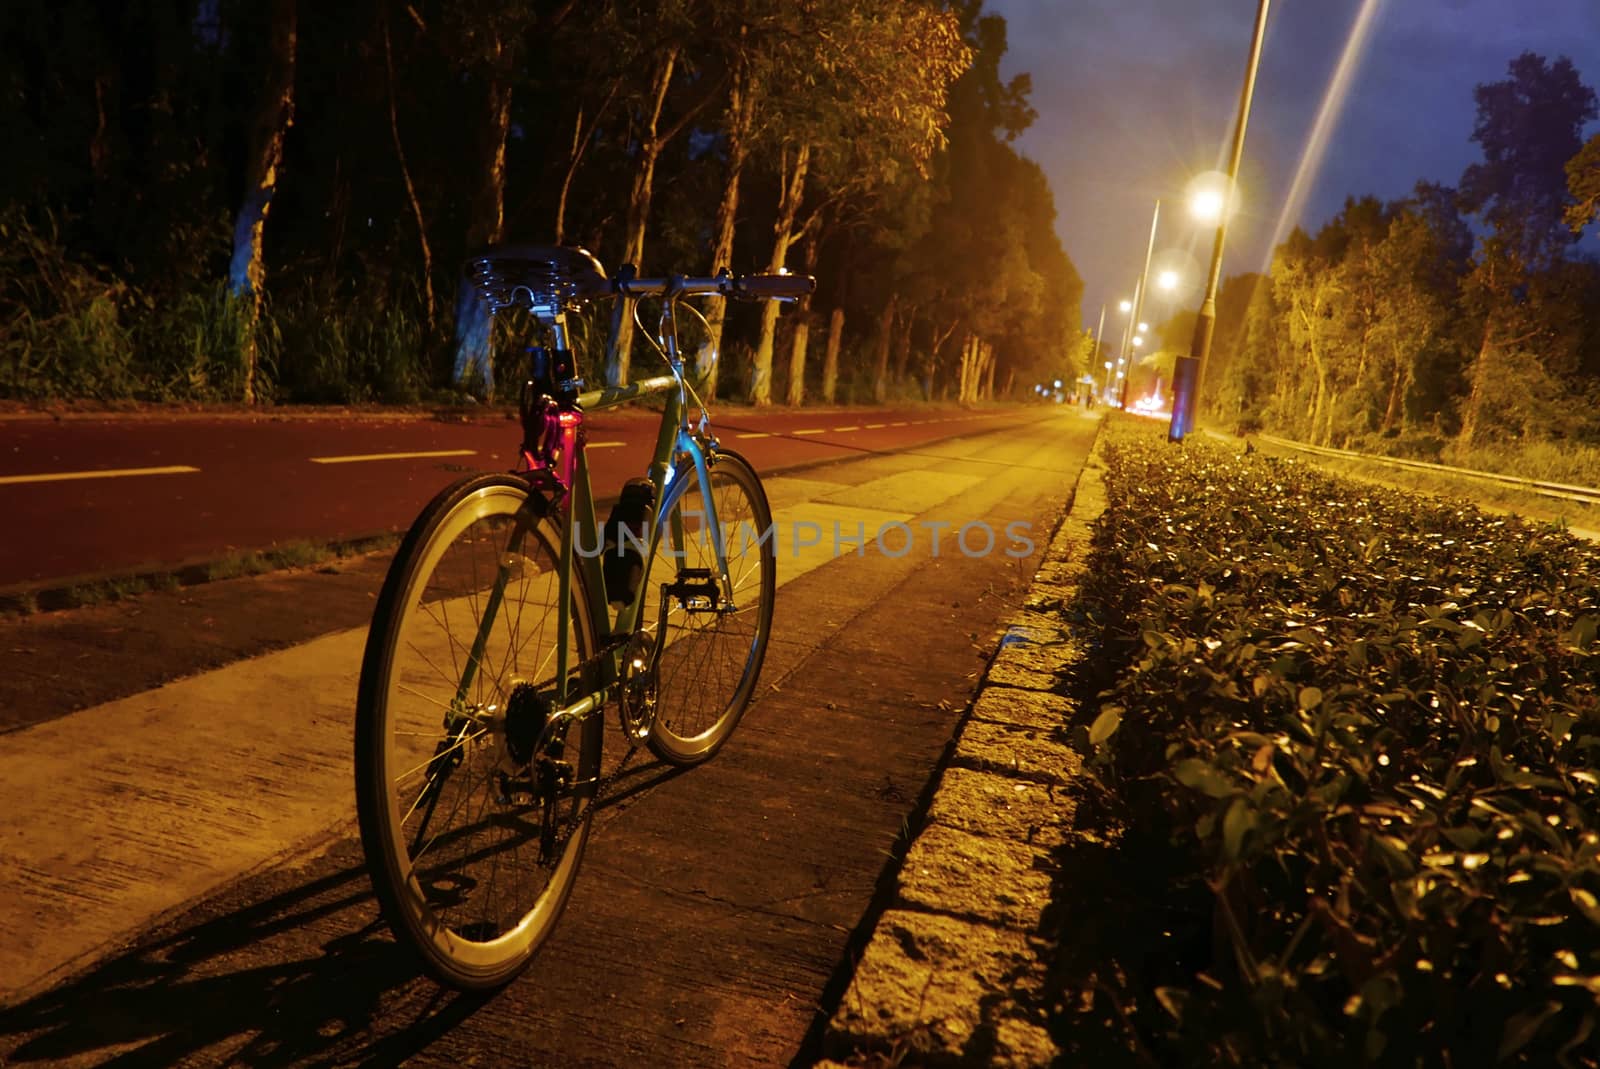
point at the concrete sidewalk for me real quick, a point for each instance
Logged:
(114, 817)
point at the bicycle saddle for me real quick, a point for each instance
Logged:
(541, 278)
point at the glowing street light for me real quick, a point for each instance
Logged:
(1167, 280)
(1125, 306)
(1206, 206)
(1143, 327)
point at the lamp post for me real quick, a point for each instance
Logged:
(1190, 370)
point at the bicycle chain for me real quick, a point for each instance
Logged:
(571, 824)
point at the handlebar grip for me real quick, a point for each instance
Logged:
(774, 287)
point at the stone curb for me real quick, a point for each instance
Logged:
(958, 958)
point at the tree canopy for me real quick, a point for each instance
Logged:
(348, 156)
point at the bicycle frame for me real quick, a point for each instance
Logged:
(580, 528)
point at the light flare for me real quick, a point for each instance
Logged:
(1333, 102)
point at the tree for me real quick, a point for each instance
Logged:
(872, 108)
(989, 270)
(274, 115)
(1583, 184)
(1530, 129)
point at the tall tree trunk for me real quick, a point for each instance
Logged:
(802, 325)
(902, 342)
(988, 374)
(246, 272)
(782, 232)
(618, 357)
(405, 173)
(741, 112)
(581, 137)
(1472, 411)
(485, 227)
(880, 367)
(931, 363)
(1392, 407)
(830, 359)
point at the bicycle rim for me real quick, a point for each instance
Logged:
(459, 857)
(708, 659)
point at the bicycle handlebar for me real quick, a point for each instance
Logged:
(744, 287)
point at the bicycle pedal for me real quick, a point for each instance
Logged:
(693, 583)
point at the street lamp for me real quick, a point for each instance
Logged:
(1167, 280)
(1190, 370)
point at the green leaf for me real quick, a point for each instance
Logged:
(1105, 725)
(1394, 855)
(1521, 1029)
(1310, 697)
(1173, 1000)
(1201, 776)
(1239, 821)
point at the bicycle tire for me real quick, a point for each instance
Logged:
(706, 662)
(448, 843)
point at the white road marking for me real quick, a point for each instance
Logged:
(604, 445)
(814, 430)
(358, 458)
(875, 426)
(108, 473)
(902, 423)
(755, 434)
(847, 428)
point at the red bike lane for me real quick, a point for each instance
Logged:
(115, 495)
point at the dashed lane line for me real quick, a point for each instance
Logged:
(842, 429)
(107, 473)
(361, 457)
(811, 430)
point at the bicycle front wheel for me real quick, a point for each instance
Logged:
(709, 649)
(474, 802)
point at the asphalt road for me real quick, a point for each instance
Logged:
(90, 496)
(180, 884)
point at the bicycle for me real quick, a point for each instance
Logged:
(493, 653)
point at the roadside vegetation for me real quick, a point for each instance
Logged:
(1341, 746)
(220, 201)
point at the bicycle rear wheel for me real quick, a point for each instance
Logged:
(708, 653)
(471, 843)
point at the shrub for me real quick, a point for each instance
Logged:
(1355, 729)
(62, 323)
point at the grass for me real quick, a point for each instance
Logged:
(102, 590)
(1493, 496)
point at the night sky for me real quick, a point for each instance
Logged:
(1134, 96)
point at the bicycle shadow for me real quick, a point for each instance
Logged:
(306, 974)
